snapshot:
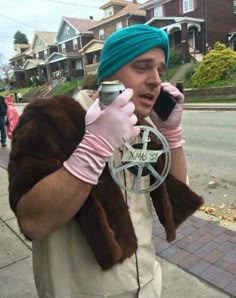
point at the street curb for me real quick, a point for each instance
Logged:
(210, 107)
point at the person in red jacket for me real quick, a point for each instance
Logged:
(12, 115)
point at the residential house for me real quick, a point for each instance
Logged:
(72, 35)
(117, 14)
(42, 47)
(194, 26)
(17, 75)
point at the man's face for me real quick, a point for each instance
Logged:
(143, 75)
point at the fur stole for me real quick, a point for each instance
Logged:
(46, 135)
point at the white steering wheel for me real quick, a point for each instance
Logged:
(139, 160)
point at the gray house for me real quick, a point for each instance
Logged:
(71, 36)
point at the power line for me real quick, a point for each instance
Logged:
(6, 40)
(5, 37)
(55, 1)
(18, 22)
(74, 4)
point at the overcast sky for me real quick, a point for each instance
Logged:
(40, 15)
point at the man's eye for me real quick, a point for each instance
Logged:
(141, 67)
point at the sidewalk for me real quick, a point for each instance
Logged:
(201, 263)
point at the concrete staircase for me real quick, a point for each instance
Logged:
(179, 75)
(44, 90)
(197, 57)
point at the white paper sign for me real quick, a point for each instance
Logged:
(141, 156)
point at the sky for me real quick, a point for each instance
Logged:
(29, 16)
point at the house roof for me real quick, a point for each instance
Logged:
(27, 53)
(195, 22)
(21, 46)
(92, 46)
(32, 63)
(45, 36)
(153, 3)
(56, 56)
(128, 8)
(81, 25)
(114, 2)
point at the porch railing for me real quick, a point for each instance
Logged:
(91, 68)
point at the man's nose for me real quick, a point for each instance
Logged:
(154, 79)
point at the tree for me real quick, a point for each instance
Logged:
(216, 66)
(20, 38)
(6, 71)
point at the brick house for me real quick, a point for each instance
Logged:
(194, 26)
(72, 35)
(117, 14)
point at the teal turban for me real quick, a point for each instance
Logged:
(128, 43)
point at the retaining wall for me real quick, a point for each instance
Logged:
(210, 93)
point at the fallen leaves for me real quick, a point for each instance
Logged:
(221, 211)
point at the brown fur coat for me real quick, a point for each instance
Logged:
(47, 133)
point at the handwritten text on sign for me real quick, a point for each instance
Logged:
(140, 155)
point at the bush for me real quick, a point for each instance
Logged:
(176, 58)
(189, 73)
(90, 82)
(217, 65)
(66, 88)
(231, 73)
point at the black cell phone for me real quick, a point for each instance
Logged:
(164, 105)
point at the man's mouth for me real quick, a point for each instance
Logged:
(147, 96)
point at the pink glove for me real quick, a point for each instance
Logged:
(170, 128)
(106, 131)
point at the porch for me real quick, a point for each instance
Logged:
(185, 34)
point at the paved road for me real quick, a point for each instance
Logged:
(211, 154)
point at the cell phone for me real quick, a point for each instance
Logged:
(164, 105)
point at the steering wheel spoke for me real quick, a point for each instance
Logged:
(139, 160)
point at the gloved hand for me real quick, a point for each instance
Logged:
(171, 127)
(106, 131)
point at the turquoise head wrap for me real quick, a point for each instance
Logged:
(128, 43)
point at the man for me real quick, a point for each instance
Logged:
(19, 97)
(90, 238)
(3, 113)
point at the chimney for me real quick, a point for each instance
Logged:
(135, 1)
(91, 18)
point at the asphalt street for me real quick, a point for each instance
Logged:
(211, 157)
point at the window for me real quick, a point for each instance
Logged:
(45, 54)
(67, 30)
(101, 34)
(38, 42)
(66, 68)
(108, 12)
(75, 44)
(78, 65)
(234, 6)
(187, 5)
(63, 48)
(118, 26)
(158, 11)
